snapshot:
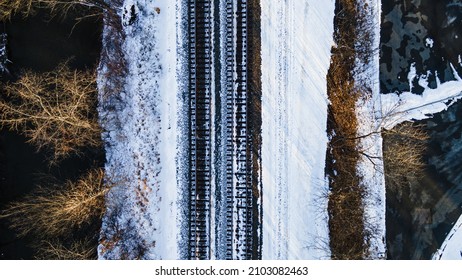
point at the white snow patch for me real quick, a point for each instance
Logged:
(423, 80)
(452, 246)
(397, 108)
(411, 76)
(429, 42)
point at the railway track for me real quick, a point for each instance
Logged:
(238, 195)
(200, 67)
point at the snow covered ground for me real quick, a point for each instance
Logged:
(369, 114)
(452, 246)
(145, 134)
(142, 138)
(409, 106)
(296, 43)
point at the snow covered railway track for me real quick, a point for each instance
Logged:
(200, 65)
(221, 222)
(236, 94)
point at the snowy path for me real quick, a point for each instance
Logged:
(296, 41)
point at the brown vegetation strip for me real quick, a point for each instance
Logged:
(254, 116)
(345, 207)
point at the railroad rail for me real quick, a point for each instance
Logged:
(236, 160)
(200, 67)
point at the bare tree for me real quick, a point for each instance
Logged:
(403, 150)
(54, 212)
(55, 249)
(8, 8)
(56, 109)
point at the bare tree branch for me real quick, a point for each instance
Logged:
(55, 249)
(54, 212)
(8, 8)
(55, 109)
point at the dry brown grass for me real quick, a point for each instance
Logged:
(345, 207)
(254, 115)
(56, 110)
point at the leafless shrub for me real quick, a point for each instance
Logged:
(54, 212)
(8, 8)
(55, 249)
(403, 150)
(55, 109)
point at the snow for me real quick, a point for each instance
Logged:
(142, 138)
(429, 42)
(369, 115)
(296, 42)
(143, 134)
(397, 108)
(452, 246)
(423, 80)
(411, 76)
(146, 135)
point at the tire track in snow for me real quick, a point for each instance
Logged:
(282, 131)
(296, 42)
